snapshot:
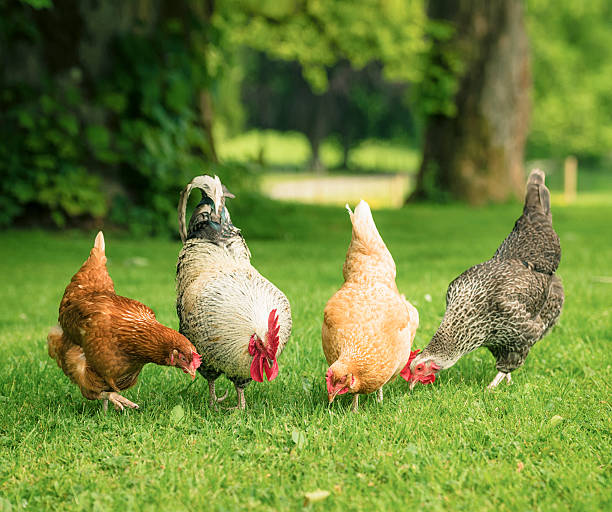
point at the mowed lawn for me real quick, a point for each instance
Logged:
(542, 443)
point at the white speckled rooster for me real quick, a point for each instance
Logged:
(238, 320)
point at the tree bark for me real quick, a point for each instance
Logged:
(477, 154)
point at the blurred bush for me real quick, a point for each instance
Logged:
(115, 136)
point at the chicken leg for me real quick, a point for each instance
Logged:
(117, 400)
(498, 378)
(214, 399)
(379, 396)
(241, 400)
(355, 404)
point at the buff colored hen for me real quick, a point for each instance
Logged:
(368, 327)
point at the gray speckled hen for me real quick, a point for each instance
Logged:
(507, 303)
(238, 319)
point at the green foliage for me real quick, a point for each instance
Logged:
(43, 160)
(572, 74)
(450, 445)
(318, 34)
(435, 92)
(121, 146)
(38, 4)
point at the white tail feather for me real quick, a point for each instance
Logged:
(212, 187)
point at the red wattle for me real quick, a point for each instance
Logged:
(257, 368)
(405, 373)
(328, 375)
(271, 373)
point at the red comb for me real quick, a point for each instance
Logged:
(196, 360)
(272, 335)
(405, 373)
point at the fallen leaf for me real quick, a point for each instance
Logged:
(556, 419)
(314, 496)
(177, 413)
(299, 438)
(519, 466)
(306, 384)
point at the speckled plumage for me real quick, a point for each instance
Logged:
(368, 327)
(509, 302)
(222, 300)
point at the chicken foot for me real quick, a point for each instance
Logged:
(117, 400)
(214, 399)
(498, 378)
(355, 404)
(241, 400)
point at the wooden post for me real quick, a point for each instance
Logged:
(570, 179)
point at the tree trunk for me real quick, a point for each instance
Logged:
(207, 117)
(316, 133)
(477, 155)
(315, 163)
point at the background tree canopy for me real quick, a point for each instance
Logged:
(108, 108)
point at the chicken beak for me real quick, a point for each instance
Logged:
(412, 384)
(332, 396)
(191, 371)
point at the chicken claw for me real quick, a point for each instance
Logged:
(117, 400)
(241, 400)
(498, 378)
(214, 399)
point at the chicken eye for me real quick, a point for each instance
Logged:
(419, 367)
(181, 357)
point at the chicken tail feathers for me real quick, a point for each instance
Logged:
(364, 227)
(537, 195)
(97, 255)
(55, 342)
(213, 199)
(99, 242)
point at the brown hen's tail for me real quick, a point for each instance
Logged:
(99, 242)
(537, 195)
(97, 255)
(93, 275)
(55, 342)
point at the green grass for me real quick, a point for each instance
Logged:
(449, 445)
(291, 151)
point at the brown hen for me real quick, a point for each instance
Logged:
(103, 340)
